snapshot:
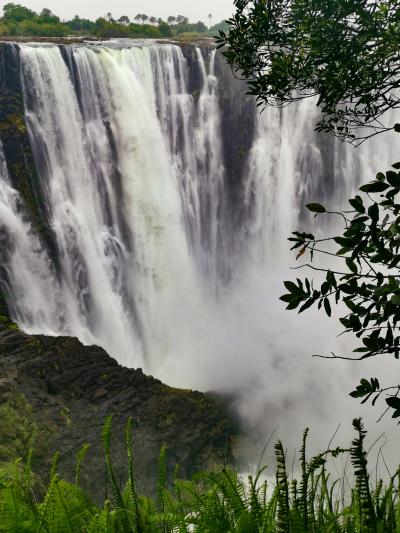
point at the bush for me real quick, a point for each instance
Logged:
(214, 501)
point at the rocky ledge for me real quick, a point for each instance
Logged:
(55, 394)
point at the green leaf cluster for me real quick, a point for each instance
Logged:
(345, 53)
(368, 280)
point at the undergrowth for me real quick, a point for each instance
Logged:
(218, 501)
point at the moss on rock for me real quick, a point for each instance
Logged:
(17, 429)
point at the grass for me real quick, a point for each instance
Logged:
(212, 502)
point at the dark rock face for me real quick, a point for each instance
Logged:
(16, 143)
(238, 112)
(69, 389)
(4, 312)
(238, 115)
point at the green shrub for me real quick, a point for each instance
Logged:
(212, 502)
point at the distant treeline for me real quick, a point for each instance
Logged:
(18, 20)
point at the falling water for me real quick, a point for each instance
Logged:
(133, 179)
(25, 267)
(160, 254)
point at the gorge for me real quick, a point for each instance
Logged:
(144, 208)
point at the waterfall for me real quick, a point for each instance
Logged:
(133, 180)
(26, 274)
(290, 164)
(154, 233)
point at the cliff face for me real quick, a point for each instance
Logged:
(238, 111)
(16, 144)
(55, 394)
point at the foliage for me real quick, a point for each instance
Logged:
(285, 50)
(17, 431)
(220, 26)
(20, 21)
(343, 52)
(216, 501)
(17, 13)
(198, 27)
(367, 282)
(78, 24)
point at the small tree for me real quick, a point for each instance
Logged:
(200, 27)
(78, 24)
(124, 20)
(17, 13)
(368, 280)
(164, 28)
(47, 17)
(345, 53)
(171, 20)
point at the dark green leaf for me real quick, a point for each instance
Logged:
(327, 306)
(393, 178)
(351, 265)
(358, 206)
(306, 305)
(375, 186)
(316, 208)
(393, 402)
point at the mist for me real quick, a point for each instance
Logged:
(261, 357)
(196, 330)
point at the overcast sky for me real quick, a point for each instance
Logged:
(195, 10)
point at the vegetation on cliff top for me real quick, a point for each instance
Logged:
(19, 21)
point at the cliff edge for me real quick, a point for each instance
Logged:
(55, 394)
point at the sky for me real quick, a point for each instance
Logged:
(220, 9)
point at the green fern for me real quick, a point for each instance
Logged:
(217, 501)
(123, 516)
(366, 512)
(283, 517)
(80, 457)
(131, 479)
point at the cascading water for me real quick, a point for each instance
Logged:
(24, 263)
(133, 178)
(163, 251)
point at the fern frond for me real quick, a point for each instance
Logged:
(80, 457)
(131, 477)
(363, 494)
(282, 483)
(119, 502)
